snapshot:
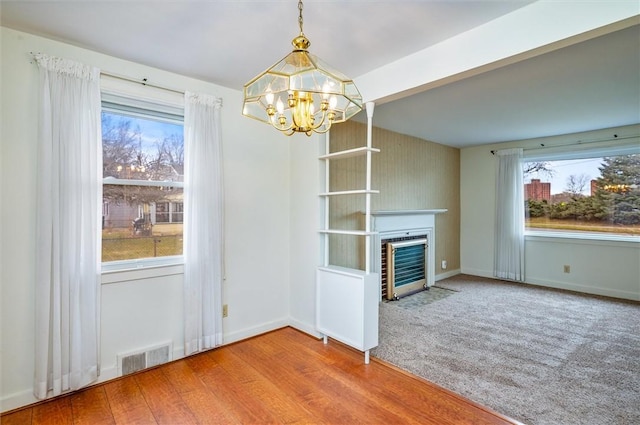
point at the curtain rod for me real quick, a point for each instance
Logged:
(577, 143)
(144, 81)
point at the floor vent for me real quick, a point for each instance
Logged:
(139, 360)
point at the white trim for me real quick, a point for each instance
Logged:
(129, 270)
(625, 145)
(130, 104)
(132, 182)
(447, 274)
(478, 272)
(586, 238)
(630, 145)
(582, 289)
(553, 284)
(17, 400)
(229, 338)
(307, 328)
(349, 153)
(115, 89)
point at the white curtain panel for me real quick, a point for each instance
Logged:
(509, 251)
(203, 223)
(67, 227)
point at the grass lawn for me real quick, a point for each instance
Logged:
(121, 245)
(581, 226)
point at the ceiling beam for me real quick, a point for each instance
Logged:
(535, 29)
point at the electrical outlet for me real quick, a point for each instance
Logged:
(567, 268)
(225, 310)
(444, 264)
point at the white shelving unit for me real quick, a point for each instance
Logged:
(347, 299)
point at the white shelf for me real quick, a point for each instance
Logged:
(349, 153)
(347, 299)
(350, 192)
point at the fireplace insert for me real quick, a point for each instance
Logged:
(406, 267)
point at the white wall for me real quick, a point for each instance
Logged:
(145, 309)
(610, 268)
(306, 182)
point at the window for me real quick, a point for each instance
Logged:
(169, 212)
(596, 192)
(162, 212)
(143, 175)
(177, 210)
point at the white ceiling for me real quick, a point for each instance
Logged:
(590, 85)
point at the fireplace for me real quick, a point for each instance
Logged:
(412, 231)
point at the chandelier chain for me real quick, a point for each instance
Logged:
(300, 16)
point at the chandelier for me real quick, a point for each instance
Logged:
(301, 93)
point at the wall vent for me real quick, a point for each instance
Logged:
(144, 358)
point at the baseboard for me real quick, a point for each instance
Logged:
(304, 327)
(25, 398)
(447, 274)
(107, 373)
(111, 372)
(16, 400)
(478, 272)
(605, 292)
(253, 331)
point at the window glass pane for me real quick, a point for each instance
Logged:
(597, 195)
(178, 210)
(162, 212)
(143, 170)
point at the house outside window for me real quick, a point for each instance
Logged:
(595, 193)
(177, 212)
(143, 175)
(168, 212)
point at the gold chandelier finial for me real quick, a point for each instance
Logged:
(301, 94)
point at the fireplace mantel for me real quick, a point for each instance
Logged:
(398, 220)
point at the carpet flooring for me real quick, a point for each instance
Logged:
(422, 298)
(538, 355)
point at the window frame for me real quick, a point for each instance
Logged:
(594, 149)
(135, 106)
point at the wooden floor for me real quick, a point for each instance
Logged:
(280, 377)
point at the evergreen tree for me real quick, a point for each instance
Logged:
(619, 188)
(534, 208)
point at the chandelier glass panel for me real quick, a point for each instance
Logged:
(301, 93)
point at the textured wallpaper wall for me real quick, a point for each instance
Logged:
(410, 173)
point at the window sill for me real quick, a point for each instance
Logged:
(583, 238)
(124, 271)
